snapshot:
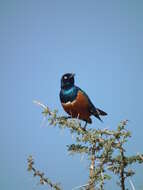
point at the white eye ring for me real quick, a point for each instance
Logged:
(65, 77)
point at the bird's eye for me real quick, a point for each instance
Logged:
(65, 77)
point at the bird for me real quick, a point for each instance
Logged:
(76, 102)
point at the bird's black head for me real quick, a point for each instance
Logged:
(67, 80)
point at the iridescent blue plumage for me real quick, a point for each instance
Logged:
(68, 94)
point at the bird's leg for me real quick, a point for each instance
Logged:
(78, 116)
(85, 125)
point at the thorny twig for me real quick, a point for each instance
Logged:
(43, 179)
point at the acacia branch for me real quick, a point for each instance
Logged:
(100, 146)
(43, 179)
(122, 177)
(92, 168)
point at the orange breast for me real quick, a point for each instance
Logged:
(79, 108)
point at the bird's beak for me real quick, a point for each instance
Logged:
(72, 75)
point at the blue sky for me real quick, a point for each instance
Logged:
(100, 41)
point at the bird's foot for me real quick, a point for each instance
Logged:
(65, 117)
(84, 127)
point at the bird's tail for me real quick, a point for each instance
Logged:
(99, 112)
